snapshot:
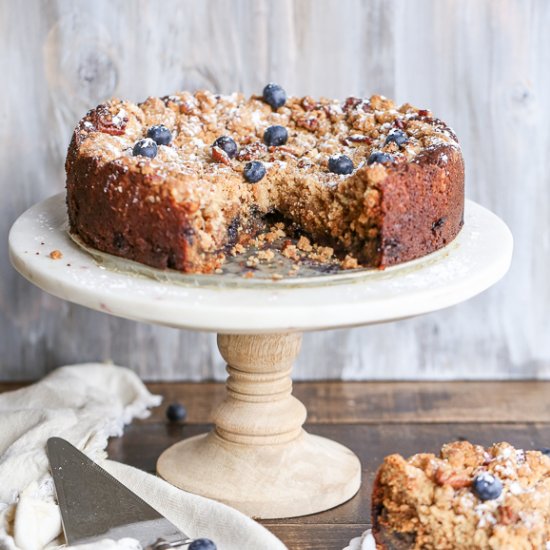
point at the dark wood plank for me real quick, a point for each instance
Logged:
(9, 386)
(373, 419)
(396, 402)
(142, 444)
(376, 402)
(317, 536)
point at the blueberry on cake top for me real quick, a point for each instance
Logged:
(176, 182)
(467, 498)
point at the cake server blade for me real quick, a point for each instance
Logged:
(96, 506)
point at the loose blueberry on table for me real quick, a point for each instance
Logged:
(176, 412)
(274, 95)
(340, 164)
(486, 486)
(227, 145)
(254, 171)
(275, 136)
(398, 137)
(160, 134)
(202, 544)
(145, 148)
(380, 157)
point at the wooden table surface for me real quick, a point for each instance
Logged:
(371, 418)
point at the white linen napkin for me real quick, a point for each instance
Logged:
(87, 404)
(364, 542)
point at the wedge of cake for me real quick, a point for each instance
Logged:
(467, 498)
(174, 182)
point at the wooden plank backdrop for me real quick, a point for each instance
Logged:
(482, 65)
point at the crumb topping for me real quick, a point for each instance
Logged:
(318, 129)
(433, 498)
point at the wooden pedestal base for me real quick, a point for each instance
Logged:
(259, 459)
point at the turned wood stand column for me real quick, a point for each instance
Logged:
(258, 458)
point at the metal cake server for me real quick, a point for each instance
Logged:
(96, 506)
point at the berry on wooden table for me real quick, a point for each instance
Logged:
(160, 134)
(145, 148)
(176, 412)
(274, 95)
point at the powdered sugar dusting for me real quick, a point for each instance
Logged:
(118, 119)
(318, 129)
(504, 454)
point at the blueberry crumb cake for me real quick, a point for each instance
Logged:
(182, 181)
(467, 498)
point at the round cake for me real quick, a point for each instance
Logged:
(182, 181)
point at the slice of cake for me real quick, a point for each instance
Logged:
(467, 498)
(175, 182)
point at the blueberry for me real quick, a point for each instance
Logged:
(274, 95)
(398, 137)
(175, 412)
(275, 135)
(340, 164)
(486, 486)
(544, 451)
(254, 171)
(226, 144)
(145, 148)
(378, 156)
(202, 544)
(160, 134)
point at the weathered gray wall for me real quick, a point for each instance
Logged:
(482, 65)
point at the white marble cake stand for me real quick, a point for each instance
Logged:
(258, 458)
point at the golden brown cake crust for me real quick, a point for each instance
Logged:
(428, 502)
(183, 208)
